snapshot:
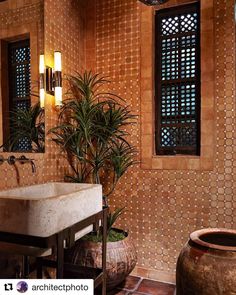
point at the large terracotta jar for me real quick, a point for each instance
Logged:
(207, 264)
(121, 258)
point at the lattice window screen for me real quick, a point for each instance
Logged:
(178, 80)
(19, 82)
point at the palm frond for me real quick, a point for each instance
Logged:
(27, 125)
(113, 216)
(92, 131)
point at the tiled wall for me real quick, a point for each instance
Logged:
(164, 206)
(64, 29)
(19, 19)
(15, 14)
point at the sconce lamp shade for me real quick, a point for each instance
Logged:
(57, 78)
(42, 97)
(41, 81)
(57, 61)
(58, 96)
(41, 64)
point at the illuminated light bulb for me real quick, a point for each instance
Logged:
(57, 78)
(41, 81)
(58, 96)
(42, 97)
(41, 64)
(57, 61)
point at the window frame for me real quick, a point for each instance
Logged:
(12, 34)
(148, 158)
(13, 45)
(23, 145)
(159, 15)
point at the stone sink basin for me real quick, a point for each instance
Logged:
(45, 209)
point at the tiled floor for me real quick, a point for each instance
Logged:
(139, 286)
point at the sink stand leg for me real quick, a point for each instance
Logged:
(25, 267)
(39, 268)
(60, 255)
(104, 250)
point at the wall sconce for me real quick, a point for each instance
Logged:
(51, 79)
(57, 78)
(41, 81)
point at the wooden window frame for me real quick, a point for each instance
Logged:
(16, 44)
(10, 34)
(12, 88)
(170, 12)
(149, 159)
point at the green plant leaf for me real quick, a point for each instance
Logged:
(113, 216)
(93, 132)
(27, 124)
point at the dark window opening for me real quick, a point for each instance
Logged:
(19, 83)
(177, 80)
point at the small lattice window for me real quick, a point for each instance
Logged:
(177, 80)
(19, 82)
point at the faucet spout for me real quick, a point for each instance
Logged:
(33, 166)
(24, 160)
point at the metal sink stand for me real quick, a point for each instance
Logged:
(57, 243)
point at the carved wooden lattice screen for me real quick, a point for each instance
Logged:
(177, 74)
(19, 82)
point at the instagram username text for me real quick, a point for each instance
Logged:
(64, 287)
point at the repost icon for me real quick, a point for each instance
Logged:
(8, 287)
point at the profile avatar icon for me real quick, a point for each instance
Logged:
(22, 287)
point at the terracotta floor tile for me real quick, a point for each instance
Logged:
(116, 292)
(155, 288)
(131, 283)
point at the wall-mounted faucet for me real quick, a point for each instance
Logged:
(11, 160)
(24, 160)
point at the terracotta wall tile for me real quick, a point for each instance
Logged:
(62, 24)
(163, 206)
(17, 18)
(167, 205)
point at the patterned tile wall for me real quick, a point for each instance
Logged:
(63, 30)
(164, 206)
(18, 15)
(12, 15)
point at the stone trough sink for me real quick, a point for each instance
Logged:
(45, 209)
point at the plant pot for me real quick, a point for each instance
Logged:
(207, 264)
(121, 258)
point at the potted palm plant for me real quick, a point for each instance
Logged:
(92, 131)
(26, 126)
